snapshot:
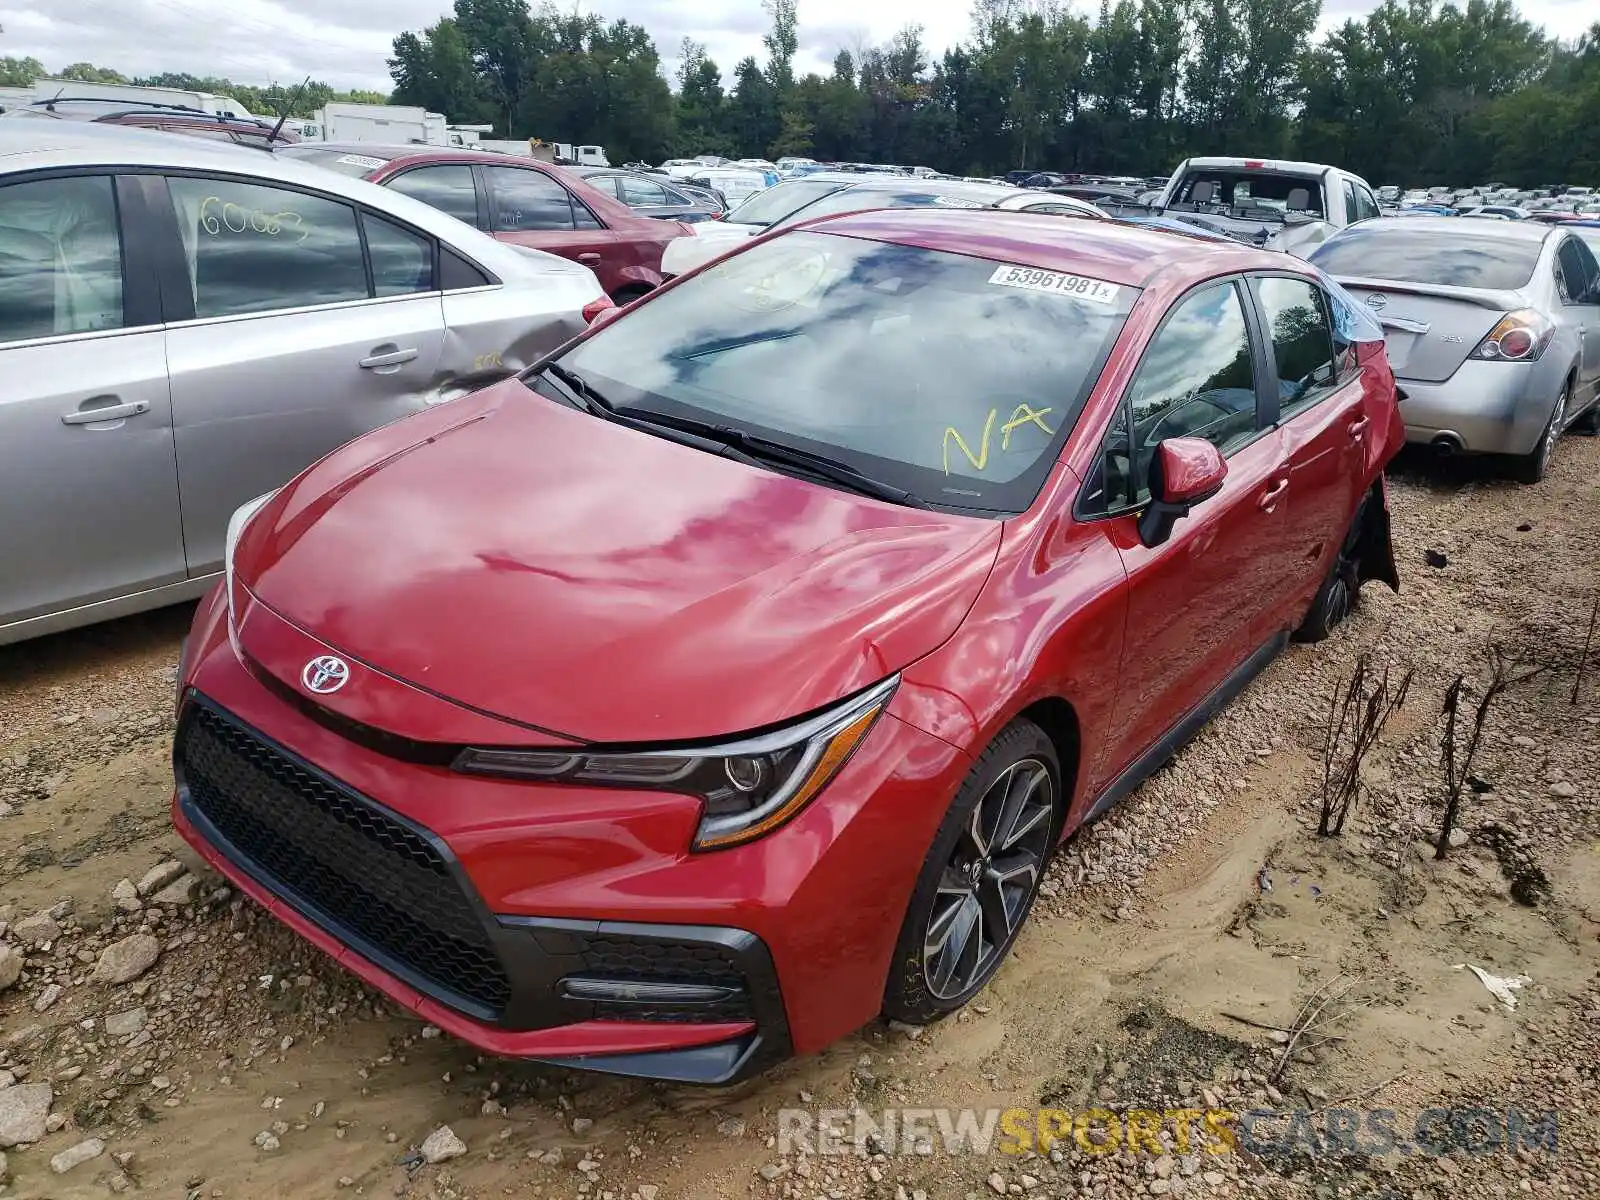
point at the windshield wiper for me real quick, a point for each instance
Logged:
(755, 447)
(594, 403)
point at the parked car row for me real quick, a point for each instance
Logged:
(681, 685)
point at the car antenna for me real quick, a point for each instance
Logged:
(293, 100)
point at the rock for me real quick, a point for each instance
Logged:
(124, 961)
(267, 1140)
(5, 1170)
(77, 1155)
(1214, 1178)
(24, 1109)
(48, 997)
(1560, 788)
(441, 1145)
(10, 966)
(1458, 838)
(126, 897)
(37, 930)
(731, 1127)
(1160, 1187)
(997, 1183)
(1163, 1166)
(159, 876)
(177, 893)
(127, 1023)
(647, 1191)
(774, 1171)
(581, 1125)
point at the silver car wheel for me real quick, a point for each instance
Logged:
(1553, 431)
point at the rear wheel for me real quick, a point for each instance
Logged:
(1531, 468)
(980, 878)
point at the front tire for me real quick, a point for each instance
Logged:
(980, 878)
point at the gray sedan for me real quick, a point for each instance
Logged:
(1493, 329)
(184, 325)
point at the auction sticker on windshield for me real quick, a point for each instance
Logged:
(1079, 287)
(361, 160)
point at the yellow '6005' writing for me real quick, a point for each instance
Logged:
(217, 215)
(1022, 415)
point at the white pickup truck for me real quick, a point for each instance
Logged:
(1267, 202)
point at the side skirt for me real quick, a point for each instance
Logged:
(1153, 759)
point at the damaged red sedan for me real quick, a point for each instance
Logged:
(729, 678)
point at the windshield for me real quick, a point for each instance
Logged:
(1405, 254)
(953, 378)
(776, 203)
(346, 162)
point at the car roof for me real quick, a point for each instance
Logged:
(1116, 253)
(395, 152)
(1259, 164)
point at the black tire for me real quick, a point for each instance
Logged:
(917, 989)
(629, 294)
(1340, 592)
(1532, 468)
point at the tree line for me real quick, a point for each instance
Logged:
(1414, 93)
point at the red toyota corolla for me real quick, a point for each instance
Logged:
(728, 678)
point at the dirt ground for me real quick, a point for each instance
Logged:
(1200, 948)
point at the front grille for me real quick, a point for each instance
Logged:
(352, 868)
(617, 956)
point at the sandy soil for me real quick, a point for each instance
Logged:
(1167, 963)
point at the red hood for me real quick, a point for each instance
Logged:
(542, 565)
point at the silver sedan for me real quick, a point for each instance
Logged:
(1493, 329)
(184, 325)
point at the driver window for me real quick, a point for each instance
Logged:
(1197, 379)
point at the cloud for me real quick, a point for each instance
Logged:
(346, 43)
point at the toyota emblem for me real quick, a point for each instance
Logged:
(325, 674)
(1376, 301)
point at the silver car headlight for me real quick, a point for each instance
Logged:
(236, 526)
(749, 786)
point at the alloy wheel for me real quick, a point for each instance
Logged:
(1552, 432)
(989, 881)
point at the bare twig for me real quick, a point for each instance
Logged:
(1588, 643)
(1366, 1093)
(1356, 716)
(1309, 1021)
(1456, 772)
(1254, 1024)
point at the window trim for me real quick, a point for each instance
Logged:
(1236, 280)
(1270, 401)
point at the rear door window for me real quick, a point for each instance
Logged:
(402, 261)
(1576, 272)
(524, 201)
(60, 258)
(1296, 316)
(252, 248)
(447, 188)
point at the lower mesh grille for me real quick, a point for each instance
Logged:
(340, 859)
(616, 956)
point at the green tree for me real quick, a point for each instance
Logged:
(19, 72)
(702, 108)
(89, 73)
(437, 71)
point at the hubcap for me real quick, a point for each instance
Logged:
(989, 880)
(1552, 433)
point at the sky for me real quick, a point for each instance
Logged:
(345, 42)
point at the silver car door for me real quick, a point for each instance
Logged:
(313, 322)
(88, 489)
(1584, 308)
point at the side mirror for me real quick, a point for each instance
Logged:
(1184, 472)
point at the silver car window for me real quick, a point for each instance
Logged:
(60, 258)
(402, 261)
(252, 248)
(641, 191)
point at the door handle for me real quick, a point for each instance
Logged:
(589, 260)
(1270, 497)
(106, 412)
(1357, 428)
(387, 358)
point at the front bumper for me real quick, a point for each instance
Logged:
(1484, 408)
(561, 924)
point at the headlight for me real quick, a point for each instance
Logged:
(749, 787)
(236, 527)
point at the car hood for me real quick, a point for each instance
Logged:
(588, 580)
